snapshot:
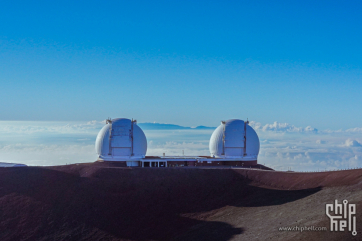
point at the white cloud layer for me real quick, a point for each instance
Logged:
(31, 127)
(283, 145)
(352, 143)
(281, 127)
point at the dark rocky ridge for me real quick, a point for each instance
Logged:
(99, 202)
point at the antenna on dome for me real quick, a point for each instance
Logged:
(109, 120)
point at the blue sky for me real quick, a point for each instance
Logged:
(182, 62)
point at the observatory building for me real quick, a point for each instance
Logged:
(121, 140)
(234, 139)
(233, 143)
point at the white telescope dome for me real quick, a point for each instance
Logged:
(127, 140)
(234, 139)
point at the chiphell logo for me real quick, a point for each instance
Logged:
(344, 216)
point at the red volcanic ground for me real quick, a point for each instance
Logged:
(98, 201)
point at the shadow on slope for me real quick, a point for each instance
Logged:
(90, 202)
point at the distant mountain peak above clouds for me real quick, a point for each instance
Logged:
(158, 126)
(203, 127)
(163, 126)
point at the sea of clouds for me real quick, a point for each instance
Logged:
(282, 146)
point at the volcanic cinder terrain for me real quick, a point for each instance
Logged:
(99, 201)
